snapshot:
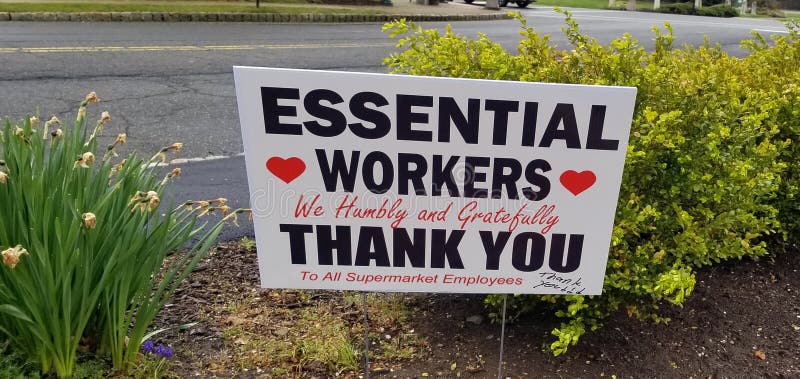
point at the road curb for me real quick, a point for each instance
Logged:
(239, 17)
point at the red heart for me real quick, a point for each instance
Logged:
(286, 169)
(577, 182)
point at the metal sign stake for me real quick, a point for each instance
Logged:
(502, 339)
(366, 335)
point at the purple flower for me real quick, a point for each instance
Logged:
(147, 346)
(164, 351)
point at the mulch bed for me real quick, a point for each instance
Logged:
(743, 320)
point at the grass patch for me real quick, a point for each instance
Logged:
(177, 8)
(313, 333)
(242, 330)
(390, 315)
(593, 4)
(242, 2)
(288, 339)
(400, 347)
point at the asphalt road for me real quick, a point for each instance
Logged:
(168, 82)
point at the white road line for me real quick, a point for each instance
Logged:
(772, 31)
(180, 161)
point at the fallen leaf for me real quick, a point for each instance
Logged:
(760, 355)
(453, 366)
(796, 328)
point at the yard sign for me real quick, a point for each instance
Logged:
(401, 183)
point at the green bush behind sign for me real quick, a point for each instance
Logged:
(710, 169)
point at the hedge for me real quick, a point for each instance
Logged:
(719, 10)
(677, 8)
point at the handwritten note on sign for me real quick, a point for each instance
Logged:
(397, 183)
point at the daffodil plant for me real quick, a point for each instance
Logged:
(84, 241)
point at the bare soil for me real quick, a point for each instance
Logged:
(743, 320)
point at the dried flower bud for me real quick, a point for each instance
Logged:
(85, 160)
(88, 157)
(175, 172)
(89, 220)
(111, 149)
(220, 201)
(11, 256)
(145, 200)
(3, 177)
(152, 199)
(51, 121)
(161, 156)
(177, 147)
(57, 134)
(153, 202)
(224, 209)
(101, 123)
(91, 98)
(137, 196)
(19, 132)
(34, 121)
(233, 216)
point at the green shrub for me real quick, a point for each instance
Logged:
(773, 68)
(771, 8)
(719, 10)
(618, 6)
(712, 137)
(84, 238)
(715, 10)
(777, 13)
(677, 8)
